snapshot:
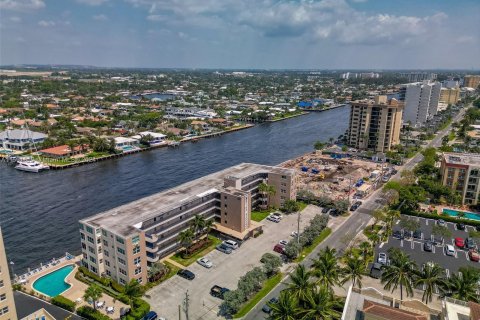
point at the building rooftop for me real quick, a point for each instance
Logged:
(27, 305)
(472, 159)
(127, 219)
(23, 134)
(381, 311)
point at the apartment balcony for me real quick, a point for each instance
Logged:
(151, 238)
(153, 249)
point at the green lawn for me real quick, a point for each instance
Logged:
(307, 250)
(302, 205)
(173, 271)
(259, 215)
(268, 285)
(186, 262)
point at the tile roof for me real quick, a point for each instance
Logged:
(474, 310)
(388, 313)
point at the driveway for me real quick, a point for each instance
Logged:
(166, 298)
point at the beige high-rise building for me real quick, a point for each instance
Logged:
(120, 243)
(461, 172)
(7, 304)
(449, 95)
(375, 124)
(471, 81)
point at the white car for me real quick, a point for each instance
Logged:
(277, 214)
(294, 234)
(273, 218)
(204, 262)
(231, 244)
(449, 250)
(283, 242)
(382, 258)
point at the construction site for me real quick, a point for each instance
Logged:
(324, 175)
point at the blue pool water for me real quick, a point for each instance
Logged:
(468, 215)
(53, 284)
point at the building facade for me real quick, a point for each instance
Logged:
(471, 81)
(120, 243)
(375, 124)
(449, 95)
(461, 172)
(7, 304)
(421, 101)
(419, 76)
(21, 139)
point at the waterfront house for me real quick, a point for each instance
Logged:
(157, 138)
(21, 139)
(126, 143)
(63, 151)
(200, 125)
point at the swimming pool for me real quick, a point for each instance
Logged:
(468, 215)
(53, 283)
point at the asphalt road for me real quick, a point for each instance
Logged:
(356, 223)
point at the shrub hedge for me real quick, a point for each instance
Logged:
(64, 303)
(91, 314)
(139, 310)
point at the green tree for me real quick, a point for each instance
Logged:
(326, 268)
(431, 276)
(186, 238)
(266, 191)
(464, 285)
(318, 145)
(341, 205)
(286, 308)
(300, 283)
(198, 223)
(133, 290)
(94, 293)
(320, 304)
(271, 263)
(290, 206)
(400, 272)
(354, 271)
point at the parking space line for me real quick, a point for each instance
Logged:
(447, 273)
(433, 249)
(401, 243)
(397, 222)
(426, 222)
(412, 246)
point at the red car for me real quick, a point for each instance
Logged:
(279, 248)
(473, 255)
(459, 242)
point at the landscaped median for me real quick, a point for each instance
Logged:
(308, 249)
(186, 260)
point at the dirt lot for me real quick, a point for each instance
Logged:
(334, 175)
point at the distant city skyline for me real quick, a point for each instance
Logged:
(248, 34)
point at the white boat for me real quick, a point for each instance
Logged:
(30, 166)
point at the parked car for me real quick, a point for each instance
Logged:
(325, 210)
(333, 212)
(385, 178)
(356, 205)
(223, 248)
(441, 222)
(470, 243)
(449, 250)
(279, 248)
(417, 234)
(382, 258)
(398, 234)
(459, 242)
(283, 242)
(273, 218)
(230, 243)
(474, 255)
(460, 226)
(218, 292)
(277, 214)
(266, 308)
(376, 271)
(187, 274)
(151, 315)
(294, 234)
(204, 262)
(428, 246)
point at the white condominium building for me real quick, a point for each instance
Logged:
(421, 101)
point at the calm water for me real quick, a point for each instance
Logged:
(39, 212)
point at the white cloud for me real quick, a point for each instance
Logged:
(21, 5)
(46, 23)
(100, 17)
(466, 39)
(92, 2)
(15, 19)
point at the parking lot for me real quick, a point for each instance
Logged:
(166, 298)
(414, 246)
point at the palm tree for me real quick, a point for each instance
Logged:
(266, 190)
(186, 238)
(320, 304)
(391, 216)
(354, 271)
(133, 290)
(366, 247)
(300, 283)
(286, 308)
(208, 226)
(401, 271)
(463, 285)
(430, 277)
(326, 268)
(198, 223)
(375, 238)
(94, 293)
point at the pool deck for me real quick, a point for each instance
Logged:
(440, 208)
(77, 289)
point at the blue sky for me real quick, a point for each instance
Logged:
(270, 34)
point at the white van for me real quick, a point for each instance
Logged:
(231, 244)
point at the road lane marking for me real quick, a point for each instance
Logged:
(401, 243)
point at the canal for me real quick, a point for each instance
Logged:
(39, 213)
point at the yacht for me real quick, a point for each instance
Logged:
(30, 165)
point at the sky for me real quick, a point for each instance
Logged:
(243, 34)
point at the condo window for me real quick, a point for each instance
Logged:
(284, 177)
(1, 283)
(107, 263)
(89, 229)
(3, 296)
(82, 236)
(120, 250)
(120, 240)
(105, 243)
(138, 270)
(122, 261)
(137, 260)
(4, 310)
(136, 249)
(93, 259)
(225, 221)
(136, 239)
(90, 239)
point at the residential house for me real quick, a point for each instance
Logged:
(63, 151)
(157, 138)
(21, 139)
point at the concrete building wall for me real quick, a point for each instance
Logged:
(449, 95)
(462, 178)
(412, 101)
(285, 186)
(434, 99)
(235, 209)
(471, 81)
(7, 304)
